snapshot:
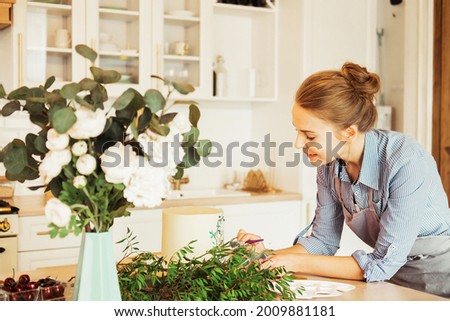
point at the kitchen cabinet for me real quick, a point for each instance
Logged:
(177, 39)
(5, 13)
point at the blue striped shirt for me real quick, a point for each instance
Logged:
(408, 197)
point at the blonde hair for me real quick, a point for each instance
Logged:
(342, 97)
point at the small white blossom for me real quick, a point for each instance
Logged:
(79, 181)
(79, 148)
(56, 141)
(86, 164)
(57, 212)
(53, 162)
(89, 123)
(118, 162)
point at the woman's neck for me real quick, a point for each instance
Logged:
(354, 154)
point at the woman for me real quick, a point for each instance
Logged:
(383, 184)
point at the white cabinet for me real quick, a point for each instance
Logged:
(177, 39)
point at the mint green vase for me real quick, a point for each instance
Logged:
(96, 278)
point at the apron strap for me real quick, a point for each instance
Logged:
(303, 232)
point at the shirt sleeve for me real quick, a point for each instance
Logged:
(328, 223)
(399, 224)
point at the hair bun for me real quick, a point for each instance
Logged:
(364, 82)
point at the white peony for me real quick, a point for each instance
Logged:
(79, 181)
(53, 162)
(56, 141)
(164, 151)
(118, 162)
(148, 185)
(79, 148)
(89, 123)
(86, 164)
(57, 212)
(181, 123)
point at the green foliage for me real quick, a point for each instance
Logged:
(95, 206)
(224, 273)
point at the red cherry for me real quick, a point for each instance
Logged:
(32, 285)
(58, 290)
(24, 279)
(9, 282)
(47, 293)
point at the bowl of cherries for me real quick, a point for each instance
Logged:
(26, 290)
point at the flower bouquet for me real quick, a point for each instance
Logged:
(100, 161)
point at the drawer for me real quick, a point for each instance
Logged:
(8, 255)
(33, 235)
(29, 261)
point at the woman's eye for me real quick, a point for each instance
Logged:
(310, 138)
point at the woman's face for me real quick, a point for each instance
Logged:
(316, 137)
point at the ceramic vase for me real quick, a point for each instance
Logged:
(96, 278)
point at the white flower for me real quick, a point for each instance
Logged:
(57, 212)
(79, 181)
(89, 123)
(53, 162)
(164, 151)
(181, 123)
(148, 185)
(56, 141)
(118, 162)
(79, 148)
(86, 164)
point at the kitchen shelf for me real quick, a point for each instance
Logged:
(118, 54)
(239, 10)
(54, 9)
(181, 21)
(118, 14)
(181, 58)
(65, 51)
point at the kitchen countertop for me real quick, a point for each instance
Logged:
(378, 291)
(33, 205)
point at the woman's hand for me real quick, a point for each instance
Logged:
(243, 237)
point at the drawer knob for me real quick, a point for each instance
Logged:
(4, 225)
(2, 249)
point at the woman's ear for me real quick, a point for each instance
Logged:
(351, 132)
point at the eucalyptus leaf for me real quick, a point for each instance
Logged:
(10, 108)
(40, 120)
(191, 137)
(39, 145)
(154, 100)
(167, 118)
(2, 91)
(134, 130)
(70, 91)
(49, 82)
(99, 95)
(29, 141)
(19, 93)
(166, 82)
(16, 156)
(157, 127)
(185, 102)
(124, 100)
(204, 147)
(86, 52)
(194, 115)
(144, 119)
(179, 174)
(105, 76)
(84, 103)
(64, 119)
(191, 158)
(183, 88)
(87, 84)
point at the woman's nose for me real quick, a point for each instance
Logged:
(299, 141)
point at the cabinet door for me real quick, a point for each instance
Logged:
(120, 31)
(46, 33)
(276, 222)
(180, 43)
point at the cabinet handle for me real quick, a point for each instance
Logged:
(19, 45)
(2, 250)
(42, 233)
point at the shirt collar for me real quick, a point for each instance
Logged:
(370, 165)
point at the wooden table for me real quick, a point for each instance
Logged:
(378, 291)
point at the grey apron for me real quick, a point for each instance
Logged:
(428, 263)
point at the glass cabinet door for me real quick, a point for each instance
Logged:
(48, 41)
